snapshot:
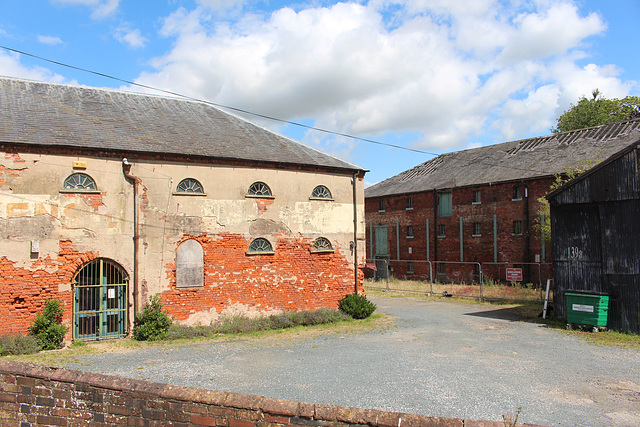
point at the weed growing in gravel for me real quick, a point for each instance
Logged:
(239, 324)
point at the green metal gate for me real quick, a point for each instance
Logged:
(100, 294)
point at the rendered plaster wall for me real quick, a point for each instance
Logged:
(48, 234)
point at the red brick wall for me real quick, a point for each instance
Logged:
(291, 279)
(32, 395)
(24, 291)
(496, 200)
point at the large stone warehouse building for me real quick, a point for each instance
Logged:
(474, 211)
(108, 197)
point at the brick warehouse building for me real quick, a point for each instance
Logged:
(108, 197)
(475, 210)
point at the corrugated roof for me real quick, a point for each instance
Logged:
(57, 115)
(512, 161)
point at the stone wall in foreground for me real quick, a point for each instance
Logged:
(34, 395)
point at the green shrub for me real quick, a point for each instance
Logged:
(357, 306)
(19, 344)
(153, 323)
(47, 328)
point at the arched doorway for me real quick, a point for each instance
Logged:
(100, 300)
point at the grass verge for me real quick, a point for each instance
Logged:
(254, 338)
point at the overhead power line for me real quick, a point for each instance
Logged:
(263, 116)
(240, 110)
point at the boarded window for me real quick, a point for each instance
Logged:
(517, 193)
(445, 207)
(190, 265)
(476, 196)
(441, 230)
(517, 228)
(476, 229)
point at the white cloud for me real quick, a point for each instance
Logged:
(132, 37)
(49, 40)
(437, 68)
(10, 66)
(101, 8)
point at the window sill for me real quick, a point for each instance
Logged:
(514, 234)
(322, 199)
(516, 200)
(260, 253)
(188, 194)
(67, 191)
(381, 211)
(476, 203)
(409, 209)
(322, 251)
(410, 237)
(254, 196)
(441, 237)
(476, 235)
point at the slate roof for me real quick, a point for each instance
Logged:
(512, 161)
(58, 115)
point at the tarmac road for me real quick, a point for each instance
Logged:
(441, 359)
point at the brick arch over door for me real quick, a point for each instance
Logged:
(100, 288)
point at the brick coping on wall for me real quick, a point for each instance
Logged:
(32, 395)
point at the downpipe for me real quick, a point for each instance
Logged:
(134, 180)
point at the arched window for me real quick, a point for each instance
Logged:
(321, 192)
(259, 189)
(260, 246)
(322, 244)
(79, 182)
(189, 186)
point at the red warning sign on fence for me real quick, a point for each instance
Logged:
(514, 274)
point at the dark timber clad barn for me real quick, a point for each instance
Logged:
(595, 222)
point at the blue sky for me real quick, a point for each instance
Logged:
(431, 75)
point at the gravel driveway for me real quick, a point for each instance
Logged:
(441, 359)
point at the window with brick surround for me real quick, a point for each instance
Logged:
(260, 246)
(445, 204)
(517, 228)
(410, 268)
(382, 206)
(476, 197)
(477, 231)
(321, 192)
(322, 244)
(441, 230)
(517, 193)
(259, 189)
(79, 182)
(410, 232)
(409, 203)
(189, 186)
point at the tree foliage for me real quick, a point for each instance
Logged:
(542, 224)
(597, 111)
